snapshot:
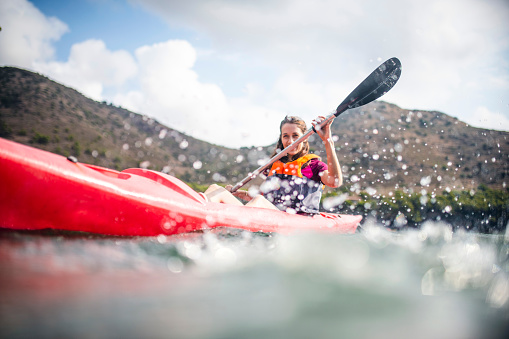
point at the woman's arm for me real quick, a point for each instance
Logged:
(332, 177)
(216, 193)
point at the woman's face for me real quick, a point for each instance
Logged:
(290, 133)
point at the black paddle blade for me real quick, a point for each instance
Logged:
(374, 86)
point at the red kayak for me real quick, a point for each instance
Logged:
(41, 190)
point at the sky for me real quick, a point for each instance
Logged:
(228, 71)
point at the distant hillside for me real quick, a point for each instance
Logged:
(381, 147)
(42, 113)
(385, 147)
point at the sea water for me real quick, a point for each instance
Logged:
(418, 283)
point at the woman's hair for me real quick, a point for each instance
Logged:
(305, 144)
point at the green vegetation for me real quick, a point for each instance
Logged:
(10, 100)
(76, 148)
(198, 187)
(484, 210)
(5, 131)
(40, 139)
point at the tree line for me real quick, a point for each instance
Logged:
(484, 210)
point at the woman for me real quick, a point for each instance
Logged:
(295, 182)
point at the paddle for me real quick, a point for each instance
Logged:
(379, 82)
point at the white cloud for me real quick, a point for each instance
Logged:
(27, 35)
(451, 51)
(485, 118)
(27, 38)
(294, 93)
(172, 93)
(169, 88)
(290, 57)
(90, 68)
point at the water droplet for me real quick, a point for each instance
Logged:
(226, 256)
(175, 265)
(162, 133)
(218, 177)
(423, 200)
(400, 220)
(425, 181)
(197, 164)
(330, 203)
(371, 191)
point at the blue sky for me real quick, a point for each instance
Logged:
(119, 24)
(228, 71)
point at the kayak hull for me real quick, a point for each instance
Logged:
(42, 190)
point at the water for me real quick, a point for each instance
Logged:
(428, 283)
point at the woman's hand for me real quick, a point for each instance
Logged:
(331, 177)
(323, 132)
(236, 193)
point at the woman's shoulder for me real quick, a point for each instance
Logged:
(316, 165)
(316, 158)
(313, 168)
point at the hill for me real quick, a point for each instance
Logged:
(37, 111)
(386, 147)
(381, 147)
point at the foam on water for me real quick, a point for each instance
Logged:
(426, 283)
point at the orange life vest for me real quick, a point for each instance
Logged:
(291, 168)
(289, 190)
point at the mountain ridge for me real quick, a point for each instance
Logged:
(381, 147)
